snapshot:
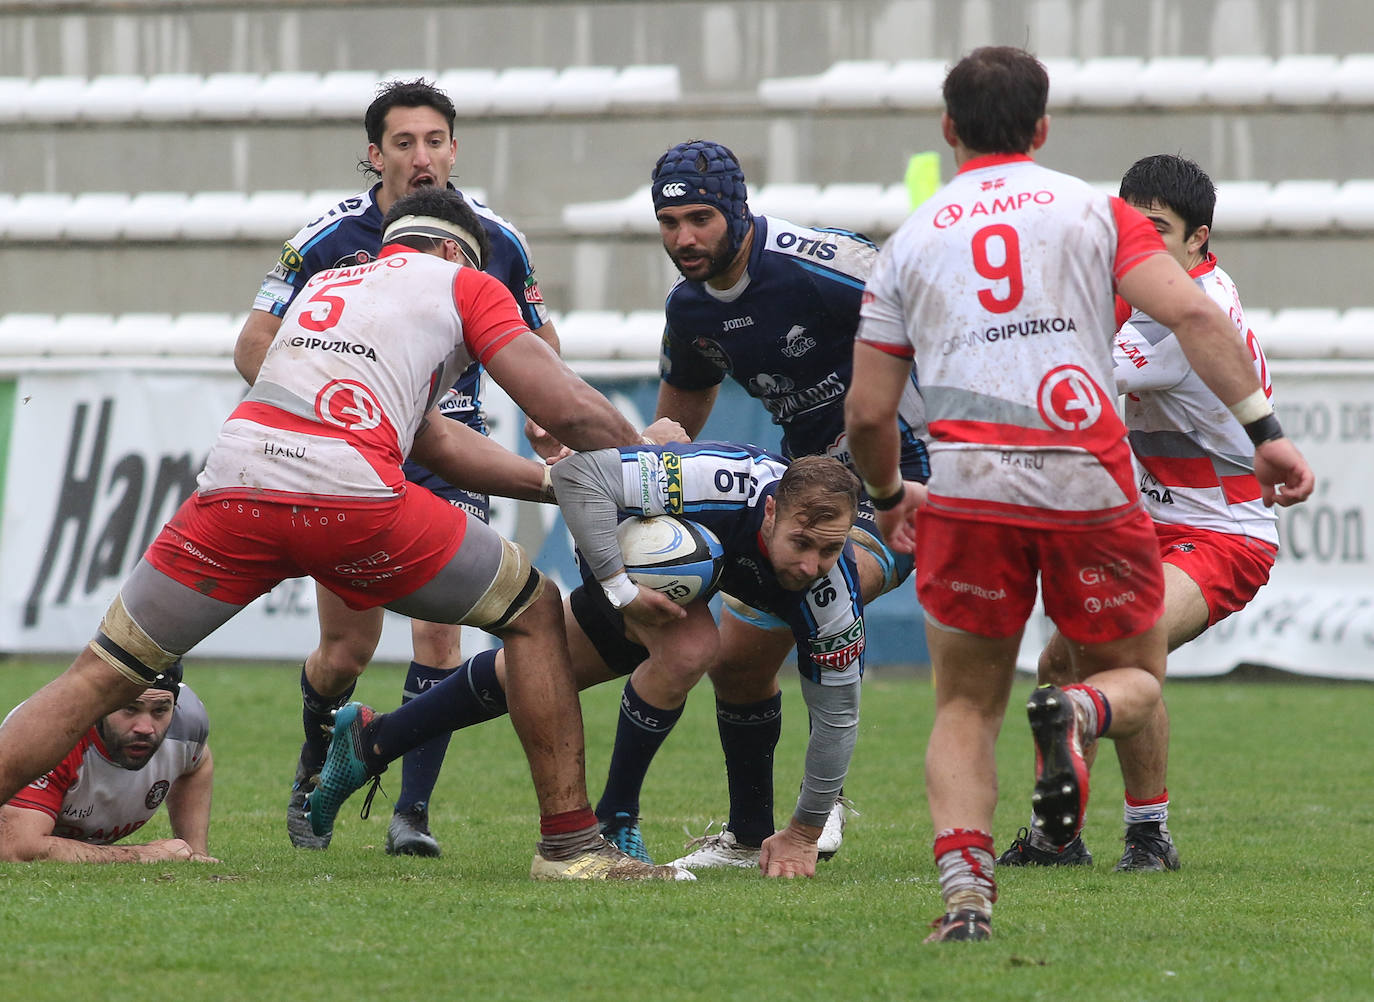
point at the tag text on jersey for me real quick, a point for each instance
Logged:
(841, 650)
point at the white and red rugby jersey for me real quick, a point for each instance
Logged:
(362, 354)
(1194, 463)
(1001, 288)
(90, 799)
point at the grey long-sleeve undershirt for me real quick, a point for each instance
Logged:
(834, 713)
(589, 491)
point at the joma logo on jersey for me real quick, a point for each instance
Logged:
(672, 469)
(735, 323)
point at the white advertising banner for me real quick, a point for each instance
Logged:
(1316, 614)
(97, 463)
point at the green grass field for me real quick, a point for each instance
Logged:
(1271, 784)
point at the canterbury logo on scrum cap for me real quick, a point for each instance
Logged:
(673, 189)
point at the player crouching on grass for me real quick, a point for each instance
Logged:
(786, 533)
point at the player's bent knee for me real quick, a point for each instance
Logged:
(517, 587)
(124, 646)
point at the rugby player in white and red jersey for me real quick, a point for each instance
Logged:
(149, 752)
(999, 289)
(1193, 466)
(306, 478)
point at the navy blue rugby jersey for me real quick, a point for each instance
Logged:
(351, 233)
(786, 334)
(722, 486)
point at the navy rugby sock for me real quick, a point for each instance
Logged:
(317, 718)
(749, 733)
(639, 734)
(469, 695)
(420, 766)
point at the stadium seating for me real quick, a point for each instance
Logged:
(305, 96)
(1119, 82)
(630, 340)
(1243, 207)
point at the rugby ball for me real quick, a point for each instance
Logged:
(677, 558)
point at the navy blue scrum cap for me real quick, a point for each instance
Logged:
(700, 172)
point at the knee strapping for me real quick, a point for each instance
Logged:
(517, 586)
(124, 646)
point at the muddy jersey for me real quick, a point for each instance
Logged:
(351, 233)
(785, 333)
(1001, 288)
(90, 799)
(363, 352)
(722, 486)
(1194, 463)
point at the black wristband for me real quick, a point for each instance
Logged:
(1264, 429)
(888, 503)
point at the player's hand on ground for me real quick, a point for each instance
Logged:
(1284, 476)
(897, 524)
(164, 849)
(545, 446)
(666, 430)
(790, 852)
(653, 609)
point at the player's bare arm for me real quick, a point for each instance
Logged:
(690, 408)
(870, 420)
(188, 808)
(542, 385)
(26, 836)
(471, 460)
(254, 340)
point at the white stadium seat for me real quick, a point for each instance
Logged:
(95, 217)
(646, 85)
(794, 202)
(155, 215)
(81, 334)
(849, 206)
(228, 97)
(25, 334)
(213, 215)
(1301, 205)
(169, 97)
(582, 90)
(1241, 206)
(1171, 81)
(915, 84)
(470, 91)
(1354, 206)
(54, 99)
(12, 93)
(523, 91)
(1300, 80)
(35, 216)
(1111, 82)
(111, 98)
(288, 96)
(1355, 80)
(854, 83)
(345, 94)
(1237, 80)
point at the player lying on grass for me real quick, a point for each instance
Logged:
(149, 752)
(786, 536)
(305, 479)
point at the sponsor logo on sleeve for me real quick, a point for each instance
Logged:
(290, 259)
(532, 294)
(672, 470)
(840, 650)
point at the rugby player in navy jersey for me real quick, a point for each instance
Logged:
(410, 146)
(787, 532)
(775, 307)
